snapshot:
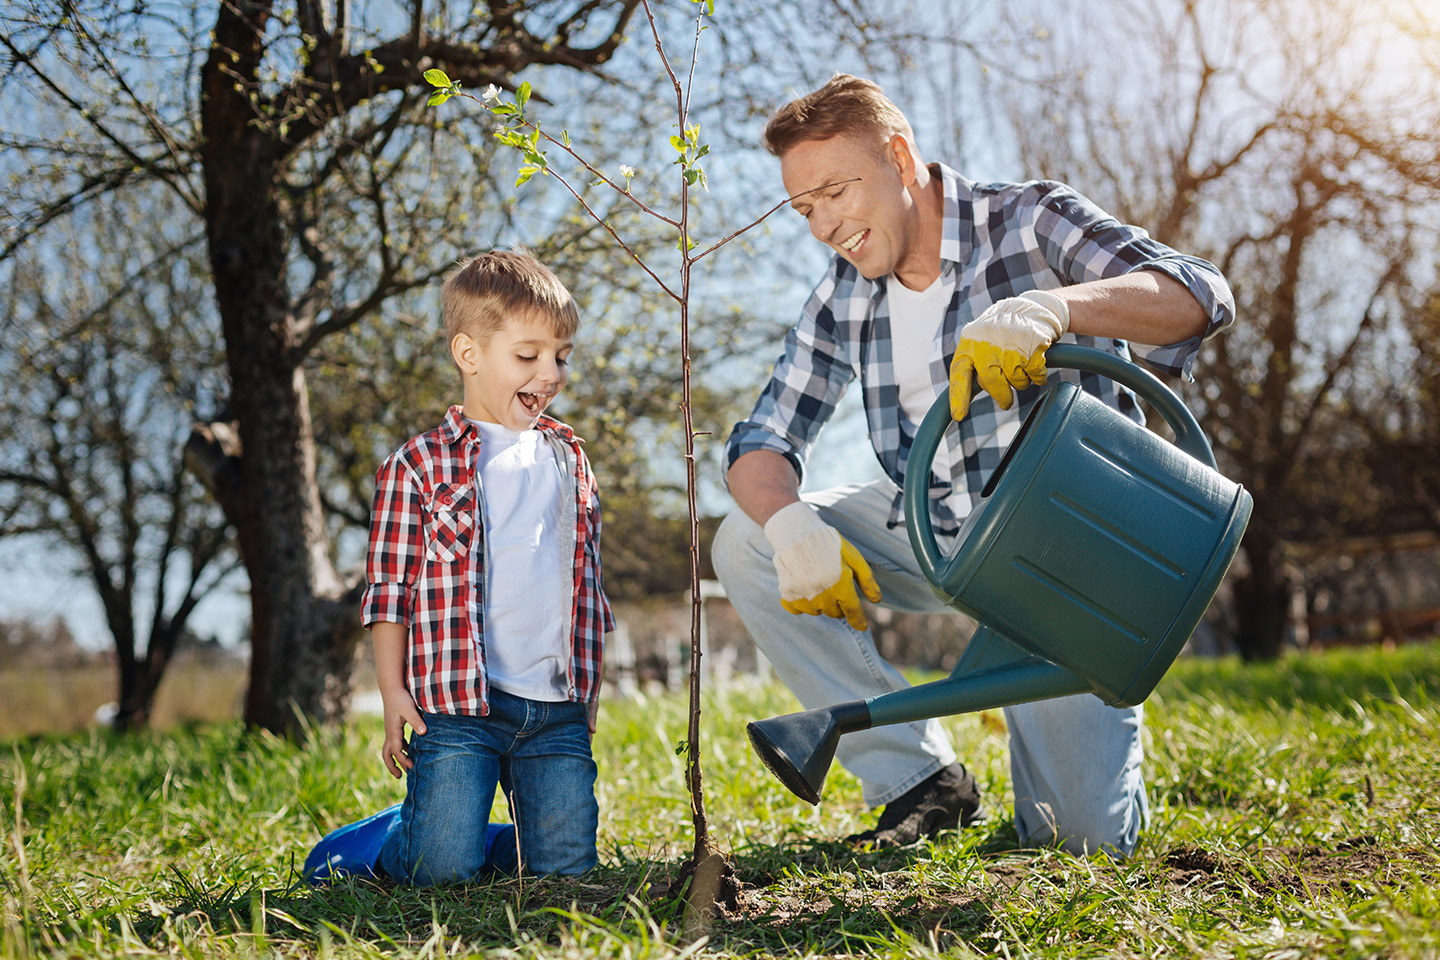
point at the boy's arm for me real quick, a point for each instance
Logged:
(398, 706)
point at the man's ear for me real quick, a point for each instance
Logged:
(903, 157)
(465, 352)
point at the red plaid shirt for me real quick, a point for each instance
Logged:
(426, 565)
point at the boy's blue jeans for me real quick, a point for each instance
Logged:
(537, 751)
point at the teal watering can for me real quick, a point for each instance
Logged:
(1088, 561)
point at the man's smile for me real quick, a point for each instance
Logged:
(851, 242)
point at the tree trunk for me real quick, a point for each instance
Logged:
(1262, 601)
(303, 632)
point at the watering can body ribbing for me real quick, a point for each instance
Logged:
(1087, 562)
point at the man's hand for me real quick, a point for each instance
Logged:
(819, 569)
(399, 709)
(1005, 348)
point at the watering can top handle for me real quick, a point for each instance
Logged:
(1188, 436)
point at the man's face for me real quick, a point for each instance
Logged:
(872, 221)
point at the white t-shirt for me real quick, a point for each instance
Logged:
(915, 318)
(527, 593)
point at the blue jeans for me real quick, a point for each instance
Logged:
(538, 752)
(1074, 762)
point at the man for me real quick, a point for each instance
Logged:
(935, 278)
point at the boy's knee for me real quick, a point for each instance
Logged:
(434, 863)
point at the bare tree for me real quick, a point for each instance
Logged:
(1285, 143)
(99, 383)
(302, 148)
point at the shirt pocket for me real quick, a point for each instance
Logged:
(450, 527)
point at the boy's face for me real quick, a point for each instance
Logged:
(512, 378)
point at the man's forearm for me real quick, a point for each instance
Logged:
(1145, 306)
(762, 482)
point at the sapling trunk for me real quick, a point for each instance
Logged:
(708, 876)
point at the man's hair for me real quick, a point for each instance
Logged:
(484, 292)
(846, 105)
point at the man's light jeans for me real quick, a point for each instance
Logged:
(1074, 762)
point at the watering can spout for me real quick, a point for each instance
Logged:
(993, 672)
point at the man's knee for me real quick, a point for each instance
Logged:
(736, 548)
(1081, 829)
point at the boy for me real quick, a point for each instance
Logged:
(486, 605)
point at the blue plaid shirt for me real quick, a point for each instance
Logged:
(1000, 239)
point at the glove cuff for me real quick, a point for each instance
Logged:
(792, 523)
(1052, 303)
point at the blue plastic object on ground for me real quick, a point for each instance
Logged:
(354, 849)
(351, 850)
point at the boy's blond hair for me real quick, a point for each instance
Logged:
(845, 105)
(486, 291)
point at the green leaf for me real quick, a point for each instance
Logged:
(437, 78)
(437, 98)
(504, 109)
(677, 143)
(523, 94)
(704, 149)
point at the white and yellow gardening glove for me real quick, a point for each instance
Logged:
(818, 568)
(1005, 347)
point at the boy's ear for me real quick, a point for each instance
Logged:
(465, 353)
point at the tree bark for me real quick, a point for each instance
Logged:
(1262, 601)
(302, 636)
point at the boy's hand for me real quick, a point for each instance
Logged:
(399, 709)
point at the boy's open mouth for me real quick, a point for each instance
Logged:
(532, 402)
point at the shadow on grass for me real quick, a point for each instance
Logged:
(815, 895)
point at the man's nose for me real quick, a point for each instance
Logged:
(823, 224)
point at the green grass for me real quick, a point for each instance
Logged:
(1296, 813)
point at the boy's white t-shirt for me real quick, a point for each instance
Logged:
(915, 318)
(527, 596)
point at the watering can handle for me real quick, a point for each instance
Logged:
(1071, 356)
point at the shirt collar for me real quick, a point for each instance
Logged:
(455, 427)
(955, 246)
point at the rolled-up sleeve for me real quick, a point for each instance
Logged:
(396, 549)
(1080, 242)
(805, 387)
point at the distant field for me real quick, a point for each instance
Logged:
(60, 701)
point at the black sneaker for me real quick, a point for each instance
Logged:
(940, 801)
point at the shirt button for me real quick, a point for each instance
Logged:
(446, 499)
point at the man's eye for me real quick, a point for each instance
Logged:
(523, 357)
